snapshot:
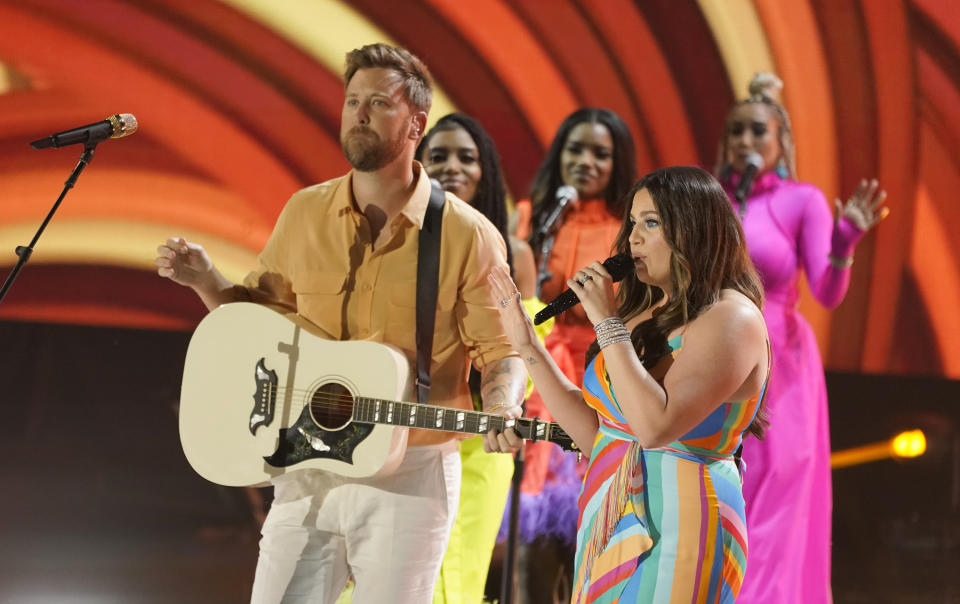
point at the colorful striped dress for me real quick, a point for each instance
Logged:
(661, 525)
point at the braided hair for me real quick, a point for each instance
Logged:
(764, 89)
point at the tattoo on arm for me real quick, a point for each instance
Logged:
(503, 382)
(498, 393)
(493, 372)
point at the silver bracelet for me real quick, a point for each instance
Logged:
(613, 339)
(611, 331)
(608, 324)
(840, 263)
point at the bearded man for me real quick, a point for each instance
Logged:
(343, 255)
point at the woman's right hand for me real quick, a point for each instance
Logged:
(865, 207)
(513, 316)
(183, 262)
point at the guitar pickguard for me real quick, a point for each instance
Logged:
(305, 440)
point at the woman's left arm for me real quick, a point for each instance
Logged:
(827, 243)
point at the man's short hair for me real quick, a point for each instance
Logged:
(417, 87)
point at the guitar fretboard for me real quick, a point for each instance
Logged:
(432, 417)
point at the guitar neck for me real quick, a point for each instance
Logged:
(445, 419)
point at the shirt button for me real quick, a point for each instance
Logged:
(365, 287)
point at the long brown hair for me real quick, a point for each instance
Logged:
(708, 256)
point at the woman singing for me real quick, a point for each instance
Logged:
(675, 379)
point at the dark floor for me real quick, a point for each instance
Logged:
(98, 505)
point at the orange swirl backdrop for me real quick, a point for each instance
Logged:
(239, 101)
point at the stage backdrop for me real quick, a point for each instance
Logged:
(239, 104)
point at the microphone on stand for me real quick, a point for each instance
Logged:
(618, 266)
(115, 126)
(754, 164)
(565, 196)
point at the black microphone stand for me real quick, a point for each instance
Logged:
(510, 559)
(24, 251)
(546, 233)
(543, 275)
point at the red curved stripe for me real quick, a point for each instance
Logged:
(845, 42)
(202, 70)
(891, 50)
(31, 114)
(939, 103)
(71, 293)
(167, 113)
(578, 51)
(645, 73)
(696, 66)
(315, 90)
(504, 42)
(942, 15)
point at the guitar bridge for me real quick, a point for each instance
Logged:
(265, 398)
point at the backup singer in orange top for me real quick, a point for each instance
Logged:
(593, 152)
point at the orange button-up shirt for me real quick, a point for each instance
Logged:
(587, 234)
(320, 260)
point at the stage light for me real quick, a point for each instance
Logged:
(911, 443)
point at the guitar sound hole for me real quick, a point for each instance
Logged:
(331, 406)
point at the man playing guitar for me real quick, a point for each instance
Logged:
(343, 255)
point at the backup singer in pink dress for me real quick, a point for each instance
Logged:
(788, 228)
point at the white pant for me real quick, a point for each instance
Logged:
(389, 532)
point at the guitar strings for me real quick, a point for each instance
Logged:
(346, 402)
(349, 400)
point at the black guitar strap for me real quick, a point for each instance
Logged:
(428, 274)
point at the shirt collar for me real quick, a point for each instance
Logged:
(764, 183)
(416, 207)
(414, 210)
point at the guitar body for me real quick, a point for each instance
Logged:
(262, 396)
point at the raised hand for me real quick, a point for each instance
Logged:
(183, 262)
(594, 286)
(516, 322)
(865, 207)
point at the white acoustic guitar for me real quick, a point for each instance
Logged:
(263, 396)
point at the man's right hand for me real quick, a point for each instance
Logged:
(184, 263)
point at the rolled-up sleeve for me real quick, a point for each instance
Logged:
(477, 316)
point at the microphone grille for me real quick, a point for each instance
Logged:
(756, 160)
(124, 124)
(567, 192)
(619, 266)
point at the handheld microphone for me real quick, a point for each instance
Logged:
(618, 266)
(565, 196)
(115, 126)
(754, 165)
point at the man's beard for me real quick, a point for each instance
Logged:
(369, 155)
